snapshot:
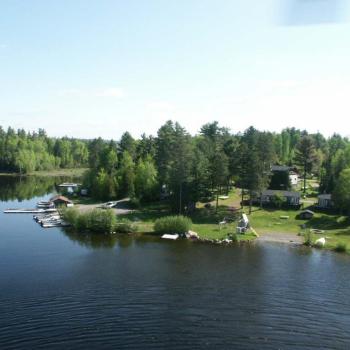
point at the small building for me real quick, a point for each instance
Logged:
(69, 187)
(306, 214)
(325, 201)
(61, 200)
(290, 198)
(283, 177)
(293, 178)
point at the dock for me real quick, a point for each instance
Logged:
(30, 211)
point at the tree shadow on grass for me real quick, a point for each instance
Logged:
(326, 222)
(211, 216)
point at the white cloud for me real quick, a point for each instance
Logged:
(111, 92)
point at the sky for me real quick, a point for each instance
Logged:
(98, 68)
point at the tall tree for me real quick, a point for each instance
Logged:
(305, 156)
(341, 195)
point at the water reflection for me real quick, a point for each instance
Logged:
(95, 241)
(27, 187)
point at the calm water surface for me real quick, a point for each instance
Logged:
(59, 290)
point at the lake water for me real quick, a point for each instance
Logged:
(59, 290)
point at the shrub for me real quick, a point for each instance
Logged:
(96, 220)
(173, 224)
(234, 237)
(308, 238)
(125, 226)
(134, 203)
(278, 200)
(70, 215)
(341, 247)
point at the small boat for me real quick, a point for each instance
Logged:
(55, 224)
(49, 219)
(43, 204)
(172, 237)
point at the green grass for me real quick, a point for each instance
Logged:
(205, 221)
(336, 228)
(270, 221)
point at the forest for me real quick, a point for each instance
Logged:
(24, 152)
(181, 167)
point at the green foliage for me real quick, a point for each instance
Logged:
(308, 238)
(96, 220)
(341, 195)
(341, 247)
(278, 200)
(126, 175)
(27, 152)
(306, 156)
(125, 226)
(146, 182)
(173, 224)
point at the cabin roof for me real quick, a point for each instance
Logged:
(280, 168)
(307, 211)
(60, 198)
(283, 193)
(325, 196)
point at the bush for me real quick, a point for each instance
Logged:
(96, 220)
(173, 224)
(308, 238)
(70, 215)
(134, 203)
(125, 226)
(341, 247)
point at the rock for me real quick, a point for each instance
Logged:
(192, 235)
(320, 242)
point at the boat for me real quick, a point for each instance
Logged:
(172, 237)
(49, 219)
(46, 205)
(55, 224)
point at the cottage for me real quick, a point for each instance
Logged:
(291, 198)
(325, 201)
(61, 200)
(306, 214)
(69, 187)
(283, 177)
(293, 178)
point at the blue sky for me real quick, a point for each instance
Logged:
(98, 68)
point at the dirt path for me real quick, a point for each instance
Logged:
(290, 238)
(120, 208)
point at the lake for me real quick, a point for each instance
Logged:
(60, 290)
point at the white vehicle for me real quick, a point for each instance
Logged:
(109, 205)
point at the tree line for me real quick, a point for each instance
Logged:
(186, 168)
(182, 167)
(22, 152)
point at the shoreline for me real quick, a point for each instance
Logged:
(73, 172)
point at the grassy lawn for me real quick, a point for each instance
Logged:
(336, 228)
(271, 221)
(205, 221)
